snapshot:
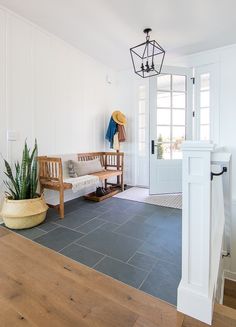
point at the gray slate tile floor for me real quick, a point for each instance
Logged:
(136, 243)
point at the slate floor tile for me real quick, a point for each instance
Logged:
(143, 261)
(77, 218)
(47, 226)
(163, 282)
(139, 219)
(110, 227)
(81, 254)
(121, 271)
(90, 226)
(164, 249)
(114, 245)
(136, 230)
(141, 209)
(116, 216)
(52, 215)
(58, 238)
(30, 233)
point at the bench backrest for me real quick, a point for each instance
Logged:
(113, 160)
(50, 168)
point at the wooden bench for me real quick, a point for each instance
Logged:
(51, 173)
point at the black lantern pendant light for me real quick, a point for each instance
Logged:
(147, 57)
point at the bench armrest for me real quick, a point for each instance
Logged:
(50, 169)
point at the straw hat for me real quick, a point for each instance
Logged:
(119, 118)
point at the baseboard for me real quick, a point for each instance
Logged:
(195, 304)
(230, 275)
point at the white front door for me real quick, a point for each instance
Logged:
(170, 102)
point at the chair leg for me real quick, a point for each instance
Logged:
(61, 206)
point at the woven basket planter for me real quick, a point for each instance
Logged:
(21, 214)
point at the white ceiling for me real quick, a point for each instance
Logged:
(106, 29)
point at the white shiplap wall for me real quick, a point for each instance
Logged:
(51, 91)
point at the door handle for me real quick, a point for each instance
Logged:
(152, 147)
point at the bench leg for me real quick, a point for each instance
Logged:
(118, 180)
(122, 182)
(41, 189)
(61, 206)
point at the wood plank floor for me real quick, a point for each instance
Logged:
(39, 287)
(230, 293)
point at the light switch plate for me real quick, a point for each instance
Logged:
(12, 135)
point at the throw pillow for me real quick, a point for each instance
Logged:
(88, 167)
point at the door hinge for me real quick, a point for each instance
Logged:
(193, 113)
(193, 79)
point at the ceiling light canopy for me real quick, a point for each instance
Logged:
(147, 57)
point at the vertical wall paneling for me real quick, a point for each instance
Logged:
(51, 91)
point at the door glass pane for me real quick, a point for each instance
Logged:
(178, 100)
(178, 117)
(178, 134)
(163, 133)
(205, 82)
(163, 99)
(176, 151)
(141, 121)
(204, 132)
(204, 99)
(178, 83)
(204, 116)
(163, 116)
(163, 82)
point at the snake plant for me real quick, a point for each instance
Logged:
(23, 180)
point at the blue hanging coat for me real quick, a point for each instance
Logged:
(111, 131)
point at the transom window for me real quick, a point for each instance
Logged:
(171, 115)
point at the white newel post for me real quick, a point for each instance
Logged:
(194, 291)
